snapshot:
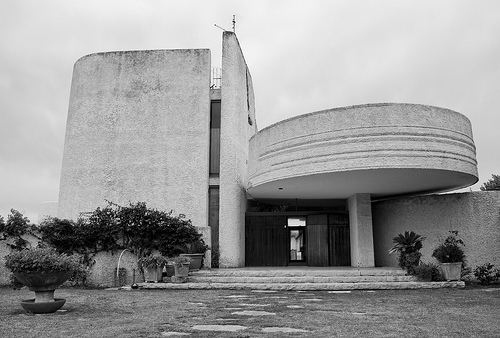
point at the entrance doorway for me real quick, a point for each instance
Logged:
(297, 234)
(281, 239)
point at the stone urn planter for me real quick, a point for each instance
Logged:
(44, 285)
(153, 274)
(196, 260)
(451, 271)
(196, 252)
(42, 271)
(152, 265)
(181, 269)
(450, 255)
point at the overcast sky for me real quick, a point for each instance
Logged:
(303, 56)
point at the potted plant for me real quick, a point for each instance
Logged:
(181, 268)
(152, 265)
(451, 256)
(42, 271)
(408, 247)
(196, 251)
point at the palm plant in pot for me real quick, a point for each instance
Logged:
(196, 251)
(408, 247)
(450, 256)
(42, 270)
(152, 265)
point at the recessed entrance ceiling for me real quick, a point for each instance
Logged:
(378, 182)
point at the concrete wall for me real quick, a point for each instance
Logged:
(103, 272)
(138, 130)
(476, 215)
(237, 107)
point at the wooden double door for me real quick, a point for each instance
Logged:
(326, 241)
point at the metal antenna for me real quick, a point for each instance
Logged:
(234, 23)
(225, 30)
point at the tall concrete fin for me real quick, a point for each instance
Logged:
(237, 126)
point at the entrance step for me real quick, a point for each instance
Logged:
(299, 279)
(302, 278)
(305, 286)
(299, 272)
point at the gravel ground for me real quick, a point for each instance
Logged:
(226, 313)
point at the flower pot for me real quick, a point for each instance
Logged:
(169, 271)
(153, 274)
(181, 270)
(196, 261)
(44, 284)
(451, 271)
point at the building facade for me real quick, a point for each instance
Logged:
(147, 126)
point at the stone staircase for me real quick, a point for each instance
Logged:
(302, 278)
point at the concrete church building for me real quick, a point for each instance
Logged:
(328, 188)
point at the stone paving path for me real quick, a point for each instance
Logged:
(247, 312)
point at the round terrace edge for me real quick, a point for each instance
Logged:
(385, 149)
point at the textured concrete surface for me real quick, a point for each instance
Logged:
(237, 109)
(361, 233)
(138, 130)
(305, 286)
(383, 149)
(476, 215)
(103, 272)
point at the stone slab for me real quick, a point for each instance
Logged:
(219, 328)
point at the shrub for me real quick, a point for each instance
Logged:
(181, 260)
(428, 272)
(197, 247)
(486, 273)
(408, 247)
(41, 260)
(136, 227)
(491, 184)
(16, 226)
(451, 250)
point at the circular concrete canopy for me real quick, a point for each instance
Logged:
(383, 149)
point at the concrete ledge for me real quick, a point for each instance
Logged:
(302, 271)
(306, 286)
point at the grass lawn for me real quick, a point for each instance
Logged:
(154, 313)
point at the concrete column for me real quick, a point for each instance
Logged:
(360, 224)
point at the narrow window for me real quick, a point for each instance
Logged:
(214, 138)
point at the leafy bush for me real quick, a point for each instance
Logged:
(486, 273)
(197, 247)
(451, 250)
(428, 272)
(408, 247)
(41, 260)
(16, 226)
(492, 184)
(152, 261)
(136, 227)
(181, 260)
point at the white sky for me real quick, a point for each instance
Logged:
(303, 55)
